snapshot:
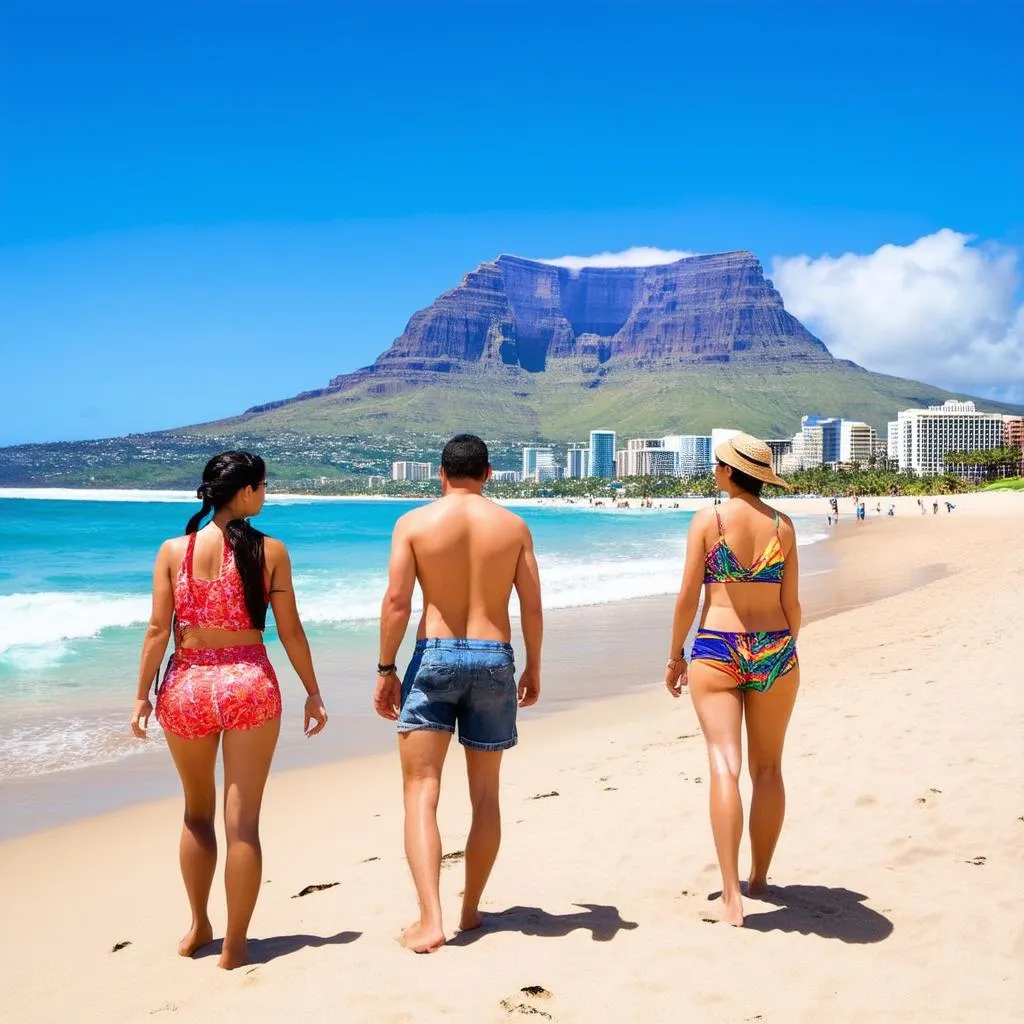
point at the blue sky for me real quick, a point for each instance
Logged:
(208, 205)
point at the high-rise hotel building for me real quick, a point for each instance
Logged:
(693, 453)
(602, 453)
(647, 456)
(857, 442)
(539, 464)
(411, 470)
(577, 462)
(924, 437)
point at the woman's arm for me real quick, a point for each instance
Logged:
(158, 632)
(686, 603)
(291, 633)
(790, 596)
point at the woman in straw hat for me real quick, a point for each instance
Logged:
(743, 661)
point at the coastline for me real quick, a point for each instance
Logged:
(897, 866)
(578, 670)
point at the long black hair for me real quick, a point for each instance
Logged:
(224, 476)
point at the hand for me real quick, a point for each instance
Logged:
(529, 688)
(140, 717)
(387, 696)
(314, 712)
(675, 676)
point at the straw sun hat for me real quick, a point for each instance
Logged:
(751, 456)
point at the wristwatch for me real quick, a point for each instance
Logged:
(386, 670)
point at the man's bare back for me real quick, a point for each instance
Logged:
(468, 551)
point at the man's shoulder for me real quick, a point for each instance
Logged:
(505, 515)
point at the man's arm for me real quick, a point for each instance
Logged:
(527, 584)
(394, 618)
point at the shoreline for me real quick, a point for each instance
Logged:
(577, 638)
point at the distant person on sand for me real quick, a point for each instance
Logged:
(467, 554)
(744, 661)
(214, 585)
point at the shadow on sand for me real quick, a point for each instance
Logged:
(832, 913)
(262, 951)
(603, 923)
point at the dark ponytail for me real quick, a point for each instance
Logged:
(223, 477)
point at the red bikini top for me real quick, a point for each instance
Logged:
(210, 604)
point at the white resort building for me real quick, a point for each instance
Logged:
(857, 442)
(411, 470)
(925, 436)
(539, 464)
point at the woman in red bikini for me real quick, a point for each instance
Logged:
(743, 663)
(213, 585)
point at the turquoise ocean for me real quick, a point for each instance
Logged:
(74, 597)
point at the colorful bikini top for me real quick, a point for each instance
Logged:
(210, 604)
(722, 566)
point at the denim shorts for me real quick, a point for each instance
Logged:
(471, 683)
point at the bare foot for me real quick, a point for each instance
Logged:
(757, 887)
(470, 919)
(195, 938)
(732, 910)
(420, 939)
(233, 956)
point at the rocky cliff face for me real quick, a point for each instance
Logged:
(520, 313)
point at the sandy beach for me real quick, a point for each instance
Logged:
(895, 886)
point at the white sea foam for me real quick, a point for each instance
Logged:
(45, 620)
(83, 494)
(35, 627)
(64, 742)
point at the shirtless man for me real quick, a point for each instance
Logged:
(467, 554)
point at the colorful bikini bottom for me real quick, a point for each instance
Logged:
(206, 691)
(754, 660)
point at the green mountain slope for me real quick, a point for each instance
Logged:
(513, 404)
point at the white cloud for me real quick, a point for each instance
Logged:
(637, 256)
(942, 310)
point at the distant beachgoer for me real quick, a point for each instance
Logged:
(878, 508)
(467, 554)
(935, 507)
(744, 660)
(830, 519)
(214, 585)
(950, 506)
(892, 510)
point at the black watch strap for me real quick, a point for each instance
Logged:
(386, 670)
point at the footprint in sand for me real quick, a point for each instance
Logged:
(118, 946)
(319, 887)
(978, 862)
(513, 1007)
(451, 858)
(510, 1006)
(367, 860)
(545, 796)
